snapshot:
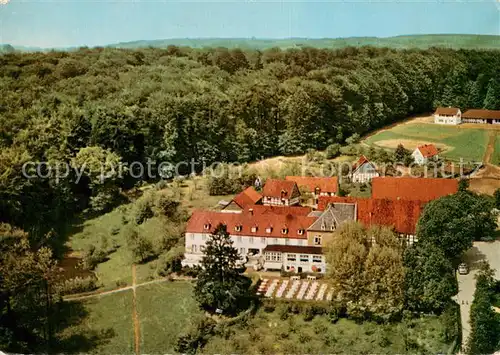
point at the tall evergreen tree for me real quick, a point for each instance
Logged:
(221, 284)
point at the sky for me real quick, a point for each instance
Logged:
(62, 23)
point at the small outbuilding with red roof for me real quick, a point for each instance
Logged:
(423, 153)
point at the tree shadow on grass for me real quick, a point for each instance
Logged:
(72, 314)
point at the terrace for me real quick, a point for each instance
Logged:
(299, 289)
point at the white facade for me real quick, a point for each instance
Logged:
(364, 173)
(294, 262)
(449, 119)
(246, 245)
(275, 201)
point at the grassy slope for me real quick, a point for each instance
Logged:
(467, 143)
(495, 159)
(100, 326)
(267, 333)
(164, 311)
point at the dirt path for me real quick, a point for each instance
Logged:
(137, 328)
(490, 148)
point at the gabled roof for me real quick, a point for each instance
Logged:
(362, 161)
(334, 215)
(283, 210)
(428, 150)
(409, 188)
(402, 215)
(274, 188)
(484, 114)
(325, 184)
(246, 220)
(247, 197)
(449, 111)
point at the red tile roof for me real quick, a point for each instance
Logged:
(408, 188)
(402, 215)
(293, 223)
(362, 159)
(294, 210)
(274, 187)
(247, 197)
(484, 114)
(325, 184)
(428, 150)
(449, 111)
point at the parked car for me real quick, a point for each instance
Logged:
(463, 269)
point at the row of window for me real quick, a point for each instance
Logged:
(303, 258)
(251, 240)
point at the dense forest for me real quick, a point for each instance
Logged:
(178, 104)
(95, 107)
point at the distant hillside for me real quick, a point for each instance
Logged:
(411, 41)
(455, 41)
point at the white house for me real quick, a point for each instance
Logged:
(363, 171)
(448, 115)
(422, 154)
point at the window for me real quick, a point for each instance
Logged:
(193, 248)
(301, 242)
(301, 232)
(263, 240)
(203, 237)
(192, 236)
(287, 241)
(250, 240)
(206, 226)
(291, 257)
(317, 259)
(317, 240)
(304, 258)
(269, 229)
(276, 241)
(240, 239)
(237, 228)
(242, 251)
(273, 256)
(284, 230)
(254, 229)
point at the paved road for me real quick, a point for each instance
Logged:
(489, 251)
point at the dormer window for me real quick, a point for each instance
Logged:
(323, 227)
(237, 228)
(269, 229)
(206, 226)
(254, 229)
(301, 232)
(284, 230)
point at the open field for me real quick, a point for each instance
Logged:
(277, 333)
(495, 159)
(457, 141)
(164, 311)
(105, 325)
(102, 325)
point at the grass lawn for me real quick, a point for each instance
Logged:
(101, 325)
(165, 310)
(495, 159)
(266, 333)
(467, 143)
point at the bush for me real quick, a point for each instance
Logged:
(76, 285)
(165, 206)
(332, 151)
(196, 336)
(349, 150)
(92, 257)
(190, 271)
(143, 208)
(171, 261)
(140, 247)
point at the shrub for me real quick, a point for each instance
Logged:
(165, 206)
(143, 208)
(332, 151)
(92, 257)
(171, 261)
(76, 285)
(140, 247)
(309, 313)
(196, 336)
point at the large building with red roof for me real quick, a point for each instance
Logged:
(408, 188)
(280, 193)
(317, 186)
